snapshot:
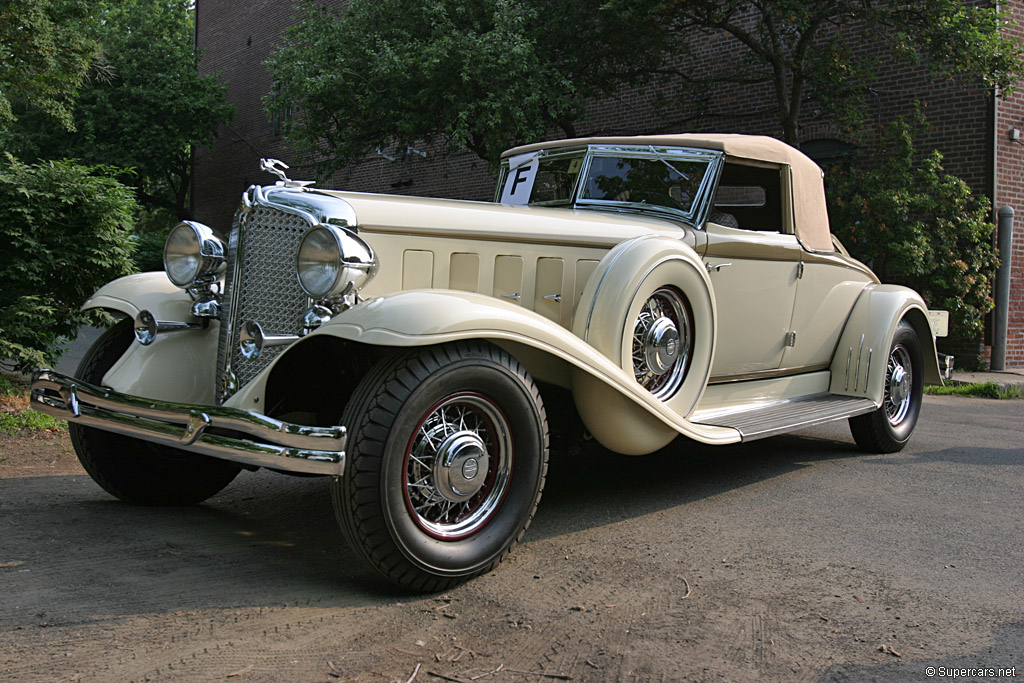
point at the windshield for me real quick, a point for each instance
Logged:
(670, 183)
(623, 178)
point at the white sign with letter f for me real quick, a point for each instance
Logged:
(522, 172)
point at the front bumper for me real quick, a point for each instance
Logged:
(228, 433)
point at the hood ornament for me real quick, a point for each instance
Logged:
(277, 167)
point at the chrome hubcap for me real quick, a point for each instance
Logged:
(661, 342)
(898, 385)
(661, 346)
(457, 466)
(461, 458)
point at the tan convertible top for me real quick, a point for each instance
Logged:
(810, 216)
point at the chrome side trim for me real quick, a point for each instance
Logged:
(867, 371)
(860, 354)
(277, 445)
(767, 374)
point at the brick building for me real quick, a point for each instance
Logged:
(970, 128)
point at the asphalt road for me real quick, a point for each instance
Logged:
(793, 558)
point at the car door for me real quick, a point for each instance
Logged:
(754, 276)
(753, 259)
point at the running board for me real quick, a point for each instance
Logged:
(788, 416)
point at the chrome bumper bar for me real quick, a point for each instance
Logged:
(274, 444)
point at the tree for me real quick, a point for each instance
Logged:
(148, 114)
(66, 231)
(45, 52)
(803, 49)
(476, 74)
(919, 226)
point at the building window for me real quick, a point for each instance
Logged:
(831, 153)
(282, 116)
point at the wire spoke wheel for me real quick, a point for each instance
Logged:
(445, 463)
(457, 466)
(899, 379)
(888, 428)
(662, 342)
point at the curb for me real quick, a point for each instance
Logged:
(1010, 379)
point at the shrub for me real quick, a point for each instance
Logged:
(15, 414)
(149, 235)
(31, 421)
(918, 226)
(65, 231)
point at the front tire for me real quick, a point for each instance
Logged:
(445, 463)
(887, 429)
(133, 470)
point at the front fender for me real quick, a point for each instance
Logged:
(859, 364)
(621, 285)
(142, 291)
(631, 420)
(176, 366)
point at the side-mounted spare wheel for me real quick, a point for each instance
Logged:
(887, 429)
(446, 461)
(662, 342)
(134, 470)
(649, 308)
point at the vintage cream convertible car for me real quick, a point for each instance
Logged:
(663, 286)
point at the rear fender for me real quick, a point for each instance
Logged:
(618, 412)
(178, 366)
(859, 364)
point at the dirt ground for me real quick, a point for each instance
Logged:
(795, 558)
(37, 454)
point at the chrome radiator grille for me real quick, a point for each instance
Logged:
(260, 285)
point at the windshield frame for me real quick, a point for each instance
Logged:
(698, 209)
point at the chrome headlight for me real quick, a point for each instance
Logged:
(331, 262)
(193, 255)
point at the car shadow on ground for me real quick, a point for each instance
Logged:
(72, 554)
(602, 487)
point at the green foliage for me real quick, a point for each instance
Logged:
(978, 390)
(801, 48)
(486, 74)
(65, 230)
(149, 235)
(45, 52)
(919, 226)
(476, 74)
(29, 420)
(147, 112)
(15, 417)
